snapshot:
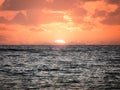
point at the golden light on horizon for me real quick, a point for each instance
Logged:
(59, 41)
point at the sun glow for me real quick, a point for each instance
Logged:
(60, 41)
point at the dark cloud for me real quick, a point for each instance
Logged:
(65, 4)
(113, 1)
(99, 13)
(30, 4)
(3, 20)
(78, 15)
(113, 18)
(36, 17)
(20, 18)
(33, 17)
(116, 12)
(62, 4)
(80, 12)
(22, 4)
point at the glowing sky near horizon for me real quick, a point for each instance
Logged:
(74, 21)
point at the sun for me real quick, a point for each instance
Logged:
(59, 41)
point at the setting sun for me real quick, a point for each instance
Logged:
(60, 41)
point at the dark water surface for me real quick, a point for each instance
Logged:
(59, 67)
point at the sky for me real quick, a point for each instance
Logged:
(36, 22)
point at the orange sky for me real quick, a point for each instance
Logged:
(44, 21)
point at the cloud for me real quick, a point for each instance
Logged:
(20, 18)
(30, 4)
(113, 18)
(62, 4)
(16, 5)
(78, 15)
(65, 4)
(51, 4)
(99, 13)
(36, 16)
(21, 4)
(113, 1)
(80, 12)
(3, 20)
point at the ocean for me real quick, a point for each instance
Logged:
(55, 67)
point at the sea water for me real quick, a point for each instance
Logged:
(50, 67)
